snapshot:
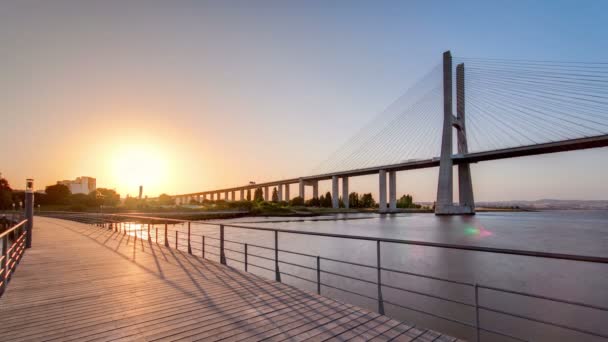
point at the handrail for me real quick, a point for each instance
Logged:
(11, 253)
(13, 228)
(539, 254)
(476, 304)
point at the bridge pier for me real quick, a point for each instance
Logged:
(445, 192)
(287, 198)
(301, 192)
(315, 189)
(266, 194)
(392, 191)
(345, 193)
(280, 192)
(382, 191)
(334, 192)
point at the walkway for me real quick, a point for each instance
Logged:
(82, 283)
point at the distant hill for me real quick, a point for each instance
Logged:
(546, 204)
(549, 204)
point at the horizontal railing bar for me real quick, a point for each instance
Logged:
(427, 276)
(298, 277)
(349, 262)
(233, 250)
(429, 295)
(261, 257)
(432, 314)
(502, 334)
(297, 265)
(349, 277)
(348, 291)
(558, 325)
(13, 228)
(591, 306)
(262, 267)
(207, 252)
(297, 253)
(258, 246)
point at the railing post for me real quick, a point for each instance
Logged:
(4, 262)
(203, 246)
(277, 274)
(166, 235)
(189, 245)
(176, 239)
(380, 301)
(222, 255)
(156, 229)
(318, 275)
(246, 261)
(477, 311)
(149, 237)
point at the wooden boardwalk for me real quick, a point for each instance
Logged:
(80, 283)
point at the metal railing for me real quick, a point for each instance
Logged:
(122, 224)
(13, 247)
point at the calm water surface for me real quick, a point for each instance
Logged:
(570, 232)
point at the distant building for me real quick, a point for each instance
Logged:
(81, 185)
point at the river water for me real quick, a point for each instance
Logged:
(568, 232)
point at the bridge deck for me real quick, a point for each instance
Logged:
(85, 284)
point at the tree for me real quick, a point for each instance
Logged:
(109, 197)
(296, 201)
(165, 199)
(326, 201)
(6, 198)
(406, 201)
(275, 195)
(353, 200)
(58, 194)
(367, 201)
(248, 195)
(258, 195)
(313, 202)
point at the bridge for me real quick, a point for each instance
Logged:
(513, 108)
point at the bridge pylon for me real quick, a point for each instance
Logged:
(445, 190)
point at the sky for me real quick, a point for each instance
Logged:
(186, 96)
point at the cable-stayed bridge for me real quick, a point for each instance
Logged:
(465, 110)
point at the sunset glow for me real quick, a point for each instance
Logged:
(133, 165)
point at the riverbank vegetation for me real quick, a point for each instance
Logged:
(59, 198)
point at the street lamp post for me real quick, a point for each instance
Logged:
(29, 211)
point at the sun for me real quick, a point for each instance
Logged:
(139, 164)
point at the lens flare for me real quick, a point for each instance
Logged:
(477, 231)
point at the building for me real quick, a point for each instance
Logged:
(81, 185)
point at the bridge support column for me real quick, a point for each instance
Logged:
(345, 193)
(266, 194)
(226, 196)
(334, 192)
(232, 196)
(445, 192)
(280, 192)
(382, 191)
(242, 195)
(315, 189)
(392, 191)
(301, 189)
(465, 184)
(287, 198)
